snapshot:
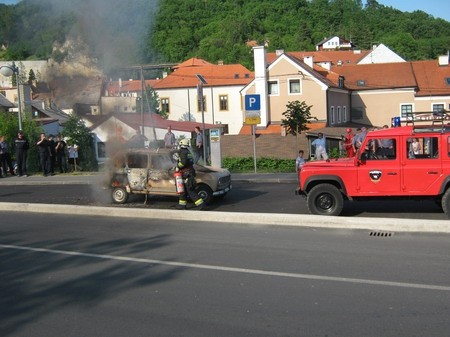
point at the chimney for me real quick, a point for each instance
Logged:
(279, 52)
(309, 61)
(220, 62)
(260, 64)
(443, 60)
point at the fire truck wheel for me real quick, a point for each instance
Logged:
(119, 195)
(446, 203)
(325, 199)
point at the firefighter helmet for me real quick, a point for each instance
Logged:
(184, 142)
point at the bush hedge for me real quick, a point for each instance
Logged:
(246, 164)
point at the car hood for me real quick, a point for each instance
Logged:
(210, 169)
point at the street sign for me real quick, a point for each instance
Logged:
(252, 103)
(252, 109)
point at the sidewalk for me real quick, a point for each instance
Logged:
(303, 220)
(98, 178)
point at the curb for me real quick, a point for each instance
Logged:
(276, 219)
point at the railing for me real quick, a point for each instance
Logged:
(429, 121)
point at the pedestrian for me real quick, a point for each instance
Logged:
(299, 161)
(321, 150)
(43, 146)
(61, 148)
(21, 146)
(169, 139)
(185, 165)
(198, 145)
(5, 157)
(348, 144)
(73, 156)
(52, 159)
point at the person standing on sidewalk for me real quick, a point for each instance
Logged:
(5, 157)
(21, 146)
(43, 146)
(169, 139)
(61, 148)
(198, 145)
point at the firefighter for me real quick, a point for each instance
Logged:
(185, 165)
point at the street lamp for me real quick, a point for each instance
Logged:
(8, 71)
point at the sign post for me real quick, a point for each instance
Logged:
(253, 117)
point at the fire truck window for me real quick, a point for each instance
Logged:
(448, 146)
(383, 149)
(423, 148)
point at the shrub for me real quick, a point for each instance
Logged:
(246, 164)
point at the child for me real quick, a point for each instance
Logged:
(299, 162)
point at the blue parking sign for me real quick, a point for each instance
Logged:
(252, 102)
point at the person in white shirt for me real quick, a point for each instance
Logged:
(321, 150)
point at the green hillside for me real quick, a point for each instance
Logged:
(137, 31)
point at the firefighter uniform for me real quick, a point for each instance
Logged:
(185, 165)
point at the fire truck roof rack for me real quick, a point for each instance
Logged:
(429, 121)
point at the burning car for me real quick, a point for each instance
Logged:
(151, 172)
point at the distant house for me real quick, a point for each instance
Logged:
(116, 129)
(5, 104)
(334, 43)
(179, 93)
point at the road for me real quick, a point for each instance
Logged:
(245, 197)
(102, 276)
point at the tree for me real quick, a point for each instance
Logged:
(78, 133)
(297, 116)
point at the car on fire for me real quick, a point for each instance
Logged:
(410, 161)
(151, 172)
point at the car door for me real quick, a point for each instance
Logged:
(137, 171)
(422, 169)
(160, 176)
(379, 172)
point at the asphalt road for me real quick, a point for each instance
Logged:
(102, 276)
(245, 197)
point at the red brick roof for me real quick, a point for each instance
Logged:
(134, 120)
(215, 75)
(193, 62)
(114, 87)
(347, 57)
(431, 78)
(377, 76)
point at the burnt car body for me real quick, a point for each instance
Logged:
(151, 172)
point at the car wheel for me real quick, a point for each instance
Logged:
(446, 203)
(325, 199)
(119, 195)
(204, 192)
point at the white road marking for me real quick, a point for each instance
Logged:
(234, 270)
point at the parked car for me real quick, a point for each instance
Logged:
(150, 172)
(411, 161)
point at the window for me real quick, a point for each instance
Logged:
(273, 87)
(223, 102)
(137, 161)
(332, 117)
(422, 148)
(165, 105)
(405, 109)
(294, 86)
(361, 83)
(438, 107)
(447, 80)
(344, 113)
(341, 82)
(380, 148)
(339, 117)
(357, 112)
(199, 105)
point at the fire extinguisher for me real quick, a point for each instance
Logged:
(179, 182)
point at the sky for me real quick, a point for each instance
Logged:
(437, 8)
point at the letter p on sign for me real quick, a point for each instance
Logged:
(252, 103)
